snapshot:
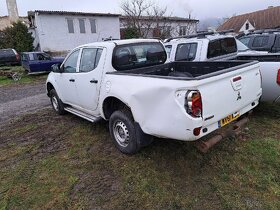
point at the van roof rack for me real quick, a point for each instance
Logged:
(269, 31)
(200, 35)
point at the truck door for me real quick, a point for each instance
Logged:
(66, 81)
(90, 77)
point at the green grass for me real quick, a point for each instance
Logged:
(53, 162)
(25, 79)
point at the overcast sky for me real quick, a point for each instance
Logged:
(200, 9)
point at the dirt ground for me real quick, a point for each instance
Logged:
(16, 100)
(64, 162)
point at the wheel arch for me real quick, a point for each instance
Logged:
(49, 88)
(112, 104)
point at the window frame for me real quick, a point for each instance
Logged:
(82, 20)
(67, 21)
(95, 25)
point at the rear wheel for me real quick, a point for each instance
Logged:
(126, 135)
(56, 103)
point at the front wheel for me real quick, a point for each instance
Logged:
(56, 103)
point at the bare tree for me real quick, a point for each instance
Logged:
(146, 17)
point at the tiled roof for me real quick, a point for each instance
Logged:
(263, 19)
(71, 13)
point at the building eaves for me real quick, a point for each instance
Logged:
(49, 12)
(179, 19)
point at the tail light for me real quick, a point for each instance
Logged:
(193, 103)
(17, 57)
(278, 77)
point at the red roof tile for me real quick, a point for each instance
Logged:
(263, 19)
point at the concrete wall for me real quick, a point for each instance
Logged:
(51, 31)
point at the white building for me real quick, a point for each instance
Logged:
(59, 31)
(160, 27)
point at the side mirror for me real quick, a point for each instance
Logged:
(56, 68)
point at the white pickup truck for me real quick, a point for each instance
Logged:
(129, 83)
(225, 47)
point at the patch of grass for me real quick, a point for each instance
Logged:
(66, 162)
(25, 78)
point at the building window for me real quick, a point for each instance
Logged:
(247, 26)
(70, 23)
(93, 25)
(183, 30)
(82, 26)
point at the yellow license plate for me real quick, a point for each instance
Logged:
(229, 119)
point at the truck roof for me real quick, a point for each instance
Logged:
(118, 42)
(208, 37)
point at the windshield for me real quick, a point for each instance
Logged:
(241, 47)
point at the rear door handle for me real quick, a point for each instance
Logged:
(94, 81)
(71, 80)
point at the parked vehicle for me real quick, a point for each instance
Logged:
(264, 40)
(9, 57)
(225, 47)
(128, 83)
(38, 62)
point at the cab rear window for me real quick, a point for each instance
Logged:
(221, 47)
(132, 56)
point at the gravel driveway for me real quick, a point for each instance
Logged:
(21, 99)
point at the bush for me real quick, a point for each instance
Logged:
(17, 37)
(130, 33)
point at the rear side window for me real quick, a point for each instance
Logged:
(277, 42)
(186, 52)
(221, 47)
(24, 57)
(245, 40)
(260, 41)
(7, 52)
(132, 56)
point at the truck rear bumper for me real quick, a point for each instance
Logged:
(233, 130)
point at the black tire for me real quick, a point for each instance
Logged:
(126, 134)
(57, 104)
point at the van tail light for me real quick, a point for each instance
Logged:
(193, 103)
(278, 77)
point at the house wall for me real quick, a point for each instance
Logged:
(51, 31)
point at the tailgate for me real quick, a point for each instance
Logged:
(230, 93)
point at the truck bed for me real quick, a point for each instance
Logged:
(187, 70)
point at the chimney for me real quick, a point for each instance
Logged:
(12, 10)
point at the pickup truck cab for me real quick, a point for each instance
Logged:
(263, 40)
(225, 47)
(129, 83)
(38, 62)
